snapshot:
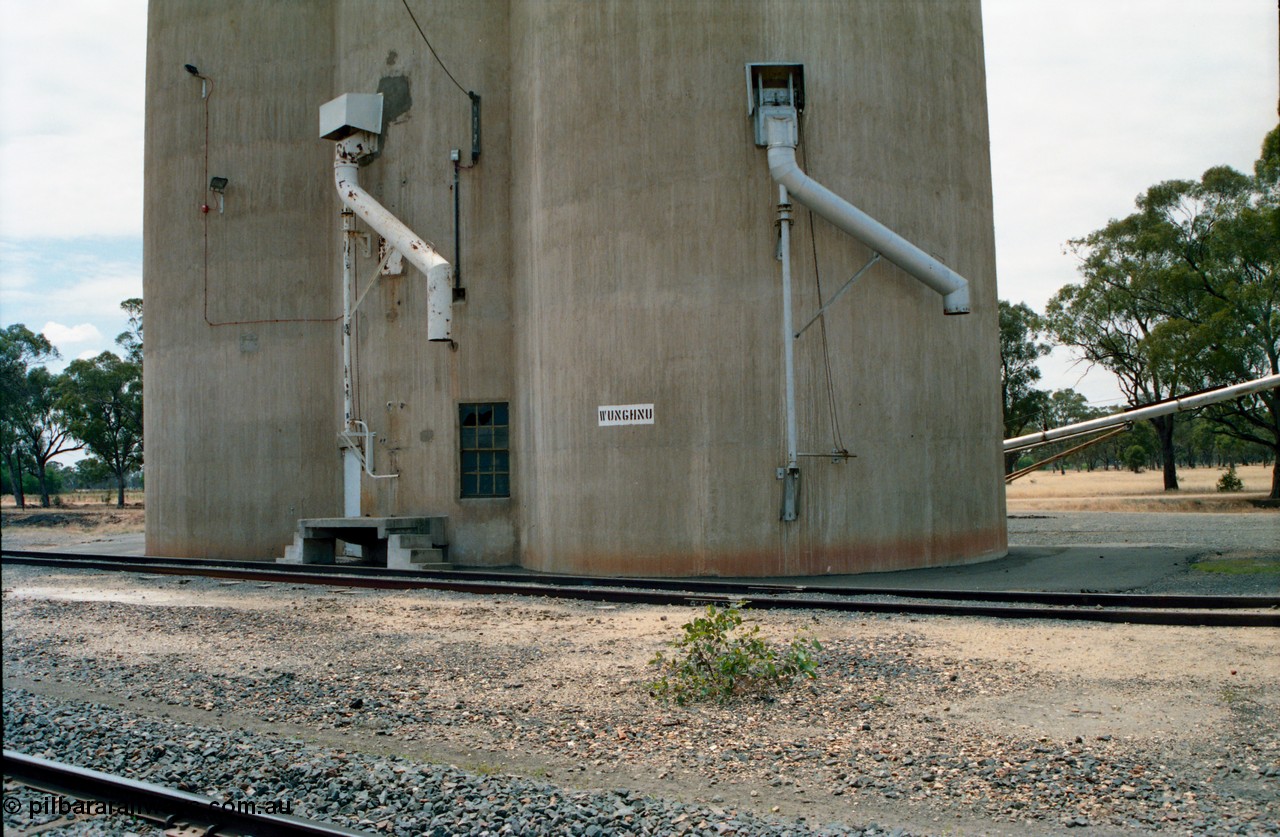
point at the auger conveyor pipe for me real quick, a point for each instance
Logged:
(1173, 405)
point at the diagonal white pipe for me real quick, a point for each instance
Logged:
(439, 273)
(1164, 408)
(782, 165)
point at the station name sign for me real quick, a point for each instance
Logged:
(624, 414)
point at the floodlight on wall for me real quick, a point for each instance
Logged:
(218, 185)
(204, 80)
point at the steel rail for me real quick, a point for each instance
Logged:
(1217, 611)
(725, 588)
(157, 802)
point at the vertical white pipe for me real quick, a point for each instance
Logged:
(348, 292)
(788, 330)
(351, 468)
(350, 457)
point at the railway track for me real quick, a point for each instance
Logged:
(1212, 611)
(71, 790)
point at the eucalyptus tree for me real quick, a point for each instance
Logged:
(1184, 295)
(1225, 231)
(43, 425)
(102, 401)
(131, 339)
(1020, 328)
(1116, 318)
(20, 348)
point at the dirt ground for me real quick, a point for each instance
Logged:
(68, 524)
(918, 722)
(907, 713)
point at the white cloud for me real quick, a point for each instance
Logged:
(60, 335)
(71, 91)
(92, 295)
(81, 282)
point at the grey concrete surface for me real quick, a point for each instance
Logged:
(1108, 552)
(132, 544)
(1055, 569)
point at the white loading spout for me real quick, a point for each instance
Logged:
(781, 134)
(439, 273)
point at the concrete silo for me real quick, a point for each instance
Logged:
(613, 398)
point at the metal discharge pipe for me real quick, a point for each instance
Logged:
(350, 458)
(792, 475)
(439, 273)
(782, 165)
(1174, 405)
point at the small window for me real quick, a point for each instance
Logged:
(485, 447)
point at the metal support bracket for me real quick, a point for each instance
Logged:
(361, 441)
(875, 257)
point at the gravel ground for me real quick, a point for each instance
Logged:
(1203, 530)
(389, 795)
(926, 725)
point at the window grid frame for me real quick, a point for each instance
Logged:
(484, 447)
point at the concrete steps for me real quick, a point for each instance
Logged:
(398, 543)
(415, 552)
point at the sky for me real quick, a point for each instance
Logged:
(1090, 102)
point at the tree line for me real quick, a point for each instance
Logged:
(1180, 296)
(93, 405)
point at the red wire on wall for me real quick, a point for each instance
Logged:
(204, 209)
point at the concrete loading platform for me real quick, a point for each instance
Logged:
(398, 543)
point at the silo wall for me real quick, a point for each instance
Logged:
(244, 406)
(645, 272)
(240, 345)
(407, 389)
(618, 240)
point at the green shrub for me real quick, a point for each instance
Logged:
(712, 662)
(1230, 481)
(1135, 457)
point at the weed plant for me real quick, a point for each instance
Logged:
(715, 661)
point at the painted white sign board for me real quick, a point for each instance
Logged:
(624, 414)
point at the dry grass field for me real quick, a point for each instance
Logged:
(1127, 491)
(75, 518)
